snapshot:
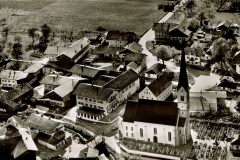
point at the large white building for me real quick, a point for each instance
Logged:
(161, 122)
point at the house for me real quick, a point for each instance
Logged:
(231, 76)
(52, 81)
(165, 124)
(180, 33)
(13, 100)
(48, 132)
(134, 47)
(154, 70)
(102, 80)
(87, 153)
(224, 25)
(94, 102)
(35, 72)
(237, 61)
(196, 57)
(86, 71)
(76, 52)
(159, 89)
(61, 95)
(53, 51)
(13, 79)
(106, 51)
(135, 61)
(17, 148)
(120, 38)
(161, 30)
(228, 86)
(235, 145)
(126, 83)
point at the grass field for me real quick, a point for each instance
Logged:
(88, 15)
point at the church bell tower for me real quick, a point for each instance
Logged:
(183, 96)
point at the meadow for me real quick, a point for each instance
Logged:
(89, 15)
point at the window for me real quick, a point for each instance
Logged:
(179, 131)
(86, 99)
(90, 105)
(90, 100)
(127, 134)
(141, 132)
(126, 128)
(131, 128)
(182, 98)
(132, 134)
(86, 104)
(94, 100)
(169, 136)
(155, 130)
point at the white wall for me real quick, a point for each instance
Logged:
(9, 83)
(114, 43)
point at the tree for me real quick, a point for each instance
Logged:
(31, 33)
(43, 41)
(5, 32)
(162, 52)
(190, 5)
(202, 17)
(17, 50)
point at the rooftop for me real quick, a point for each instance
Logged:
(92, 91)
(91, 153)
(159, 84)
(90, 111)
(41, 123)
(34, 68)
(164, 26)
(120, 36)
(14, 75)
(134, 47)
(55, 50)
(86, 71)
(161, 112)
(123, 80)
(156, 68)
(137, 57)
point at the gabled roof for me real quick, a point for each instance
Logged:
(164, 26)
(236, 142)
(26, 144)
(91, 153)
(120, 36)
(194, 23)
(134, 47)
(86, 70)
(159, 84)
(183, 79)
(156, 68)
(75, 48)
(133, 65)
(41, 123)
(90, 111)
(135, 57)
(225, 83)
(225, 23)
(65, 88)
(54, 139)
(13, 75)
(55, 50)
(123, 80)
(179, 32)
(150, 111)
(9, 97)
(92, 91)
(34, 68)
(196, 51)
(7, 146)
(102, 80)
(232, 73)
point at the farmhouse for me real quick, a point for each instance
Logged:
(76, 52)
(61, 95)
(161, 30)
(13, 79)
(237, 61)
(134, 47)
(155, 70)
(35, 72)
(180, 33)
(196, 56)
(224, 25)
(120, 38)
(159, 89)
(135, 61)
(53, 51)
(49, 132)
(13, 100)
(86, 71)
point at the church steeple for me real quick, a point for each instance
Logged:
(183, 79)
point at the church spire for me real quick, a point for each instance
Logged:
(183, 79)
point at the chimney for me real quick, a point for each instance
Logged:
(57, 49)
(82, 68)
(81, 46)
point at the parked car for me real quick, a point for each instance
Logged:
(200, 35)
(201, 32)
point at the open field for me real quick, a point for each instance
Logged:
(88, 15)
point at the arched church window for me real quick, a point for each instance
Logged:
(169, 136)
